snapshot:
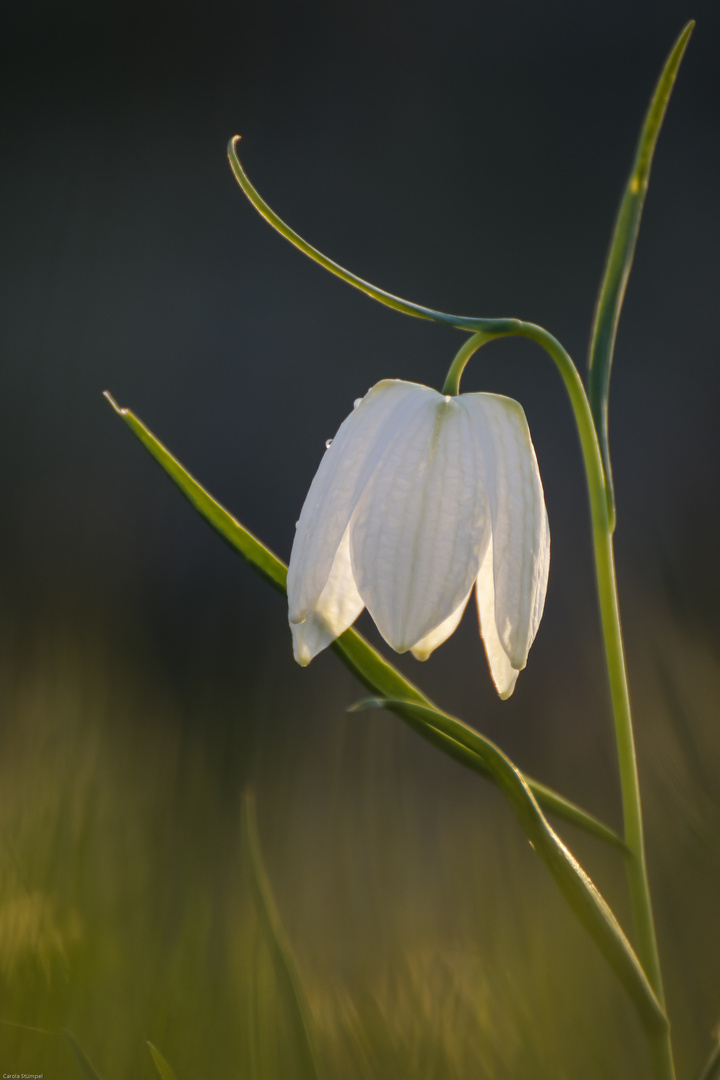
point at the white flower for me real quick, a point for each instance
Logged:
(419, 497)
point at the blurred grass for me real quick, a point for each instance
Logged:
(430, 941)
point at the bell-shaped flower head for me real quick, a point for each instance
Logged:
(419, 497)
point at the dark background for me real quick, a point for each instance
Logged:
(469, 158)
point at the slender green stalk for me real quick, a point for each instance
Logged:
(162, 1066)
(452, 381)
(405, 307)
(635, 864)
(86, 1068)
(285, 963)
(711, 1068)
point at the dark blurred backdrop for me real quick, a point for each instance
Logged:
(468, 156)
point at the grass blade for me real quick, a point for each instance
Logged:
(711, 1068)
(575, 885)
(620, 257)
(161, 1064)
(85, 1067)
(286, 966)
(372, 669)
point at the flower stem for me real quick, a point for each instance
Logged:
(635, 864)
(452, 380)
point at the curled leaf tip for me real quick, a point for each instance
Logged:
(232, 156)
(406, 307)
(118, 408)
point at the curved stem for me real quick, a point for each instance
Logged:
(452, 381)
(635, 863)
(405, 307)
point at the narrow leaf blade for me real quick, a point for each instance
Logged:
(620, 257)
(85, 1067)
(233, 533)
(286, 965)
(372, 669)
(160, 1063)
(711, 1068)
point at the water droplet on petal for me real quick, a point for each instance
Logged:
(328, 444)
(447, 398)
(296, 524)
(356, 402)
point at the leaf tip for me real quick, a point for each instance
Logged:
(118, 409)
(682, 42)
(366, 703)
(160, 1063)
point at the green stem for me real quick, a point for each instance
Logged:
(405, 307)
(452, 381)
(635, 864)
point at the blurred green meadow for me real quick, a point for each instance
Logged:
(430, 942)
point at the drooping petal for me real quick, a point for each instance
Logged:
(343, 473)
(422, 523)
(337, 608)
(427, 645)
(504, 675)
(521, 538)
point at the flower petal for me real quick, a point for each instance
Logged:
(428, 644)
(337, 608)
(343, 473)
(504, 675)
(421, 527)
(521, 538)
